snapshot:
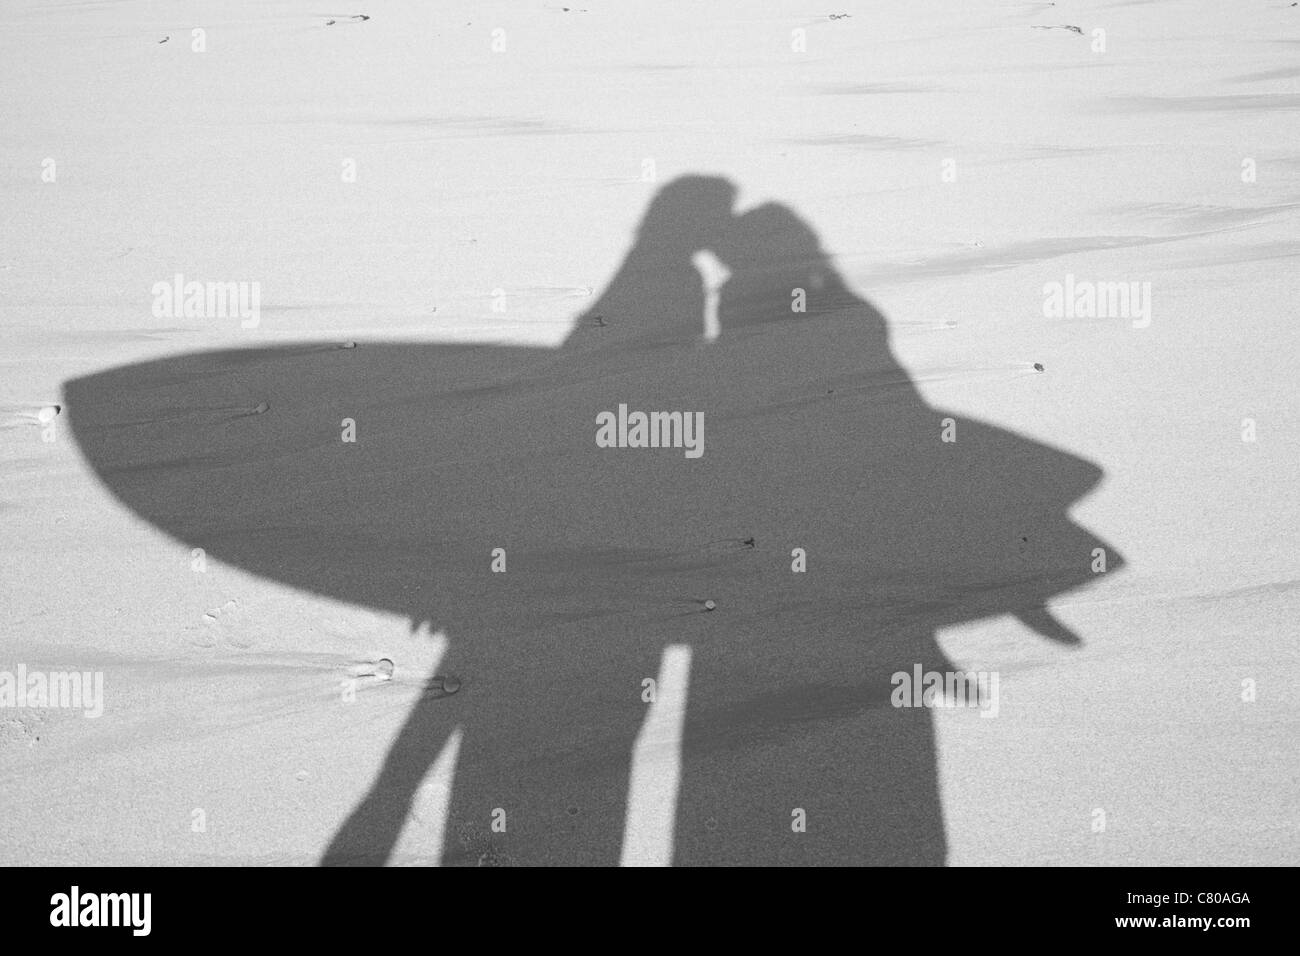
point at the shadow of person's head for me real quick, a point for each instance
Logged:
(779, 271)
(688, 214)
(656, 297)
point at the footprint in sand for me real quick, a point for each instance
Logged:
(223, 625)
(22, 731)
(353, 18)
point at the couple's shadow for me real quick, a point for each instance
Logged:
(815, 439)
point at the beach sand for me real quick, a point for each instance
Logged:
(482, 264)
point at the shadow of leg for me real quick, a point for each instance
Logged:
(370, 833)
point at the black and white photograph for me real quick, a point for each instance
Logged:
(695, 434)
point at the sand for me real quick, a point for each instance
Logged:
(494, 269)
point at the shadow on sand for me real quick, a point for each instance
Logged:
(815, 438)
